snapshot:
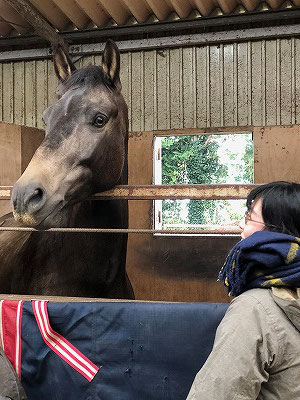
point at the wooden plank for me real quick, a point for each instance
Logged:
(286, 82)
(162, 89)
(228, 86)
(160, 8)
(188, 84)
(19, 93)
(175, 76)
(149, 84)
(202, 76)
(271, 82)
(73, 12)
(94, 11)
(31, 138)
(8, 92)
(30, 93)
(242, 83)
(257, 83)
(297, 80)
(215, 86)
(276, 153)
(137, 92)
(41, 91)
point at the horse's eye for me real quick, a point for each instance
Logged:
(99, 120)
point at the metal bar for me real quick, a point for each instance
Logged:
(193, 39)
(223, 230)
(161, 192)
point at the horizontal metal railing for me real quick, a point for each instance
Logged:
(156, 192)
(161, 192)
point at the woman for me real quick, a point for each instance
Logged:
(256, 354)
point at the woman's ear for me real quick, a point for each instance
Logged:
(111, 64)
(63, 64)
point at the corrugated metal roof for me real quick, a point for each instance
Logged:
(70, 15)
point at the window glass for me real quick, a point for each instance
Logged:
(202, 159)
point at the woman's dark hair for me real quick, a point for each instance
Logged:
(280, 206)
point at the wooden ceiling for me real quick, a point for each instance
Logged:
(70, 15)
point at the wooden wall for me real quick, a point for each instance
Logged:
(17, 146)
(174, 268)
(235, 84)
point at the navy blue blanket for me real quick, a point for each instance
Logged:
(145, 350)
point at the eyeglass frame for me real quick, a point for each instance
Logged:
(247, 218)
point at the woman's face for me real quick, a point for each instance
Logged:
(253, 222)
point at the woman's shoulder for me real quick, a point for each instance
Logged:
(257, 302)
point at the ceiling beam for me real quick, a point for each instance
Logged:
(94, 11)
(5, 28)
(250, 5)
(53, 14)
(10, 16)
(40, 25)
(182, 7)
(227, 5)
(118, 12)
(139, 9)
(160, 8)
(203, 6)
(73, 12)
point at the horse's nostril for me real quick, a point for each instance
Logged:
(34, 200)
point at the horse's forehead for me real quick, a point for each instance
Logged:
(87, 95)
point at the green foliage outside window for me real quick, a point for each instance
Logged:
(196, 160)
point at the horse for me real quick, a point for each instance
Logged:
(84, 151)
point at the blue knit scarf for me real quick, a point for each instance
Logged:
(262, 260)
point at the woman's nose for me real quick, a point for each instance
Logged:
(242, 224)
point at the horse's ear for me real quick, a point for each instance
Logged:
(111, 63)
(63, 64)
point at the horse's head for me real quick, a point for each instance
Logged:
(85, 147)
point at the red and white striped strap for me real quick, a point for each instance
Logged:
(64, 349)
(11, 324)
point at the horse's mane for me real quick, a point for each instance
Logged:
(88, 76)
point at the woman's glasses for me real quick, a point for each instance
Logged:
(249, 219)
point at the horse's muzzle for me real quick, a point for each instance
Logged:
(27, 203)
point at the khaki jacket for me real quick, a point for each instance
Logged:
(256, 354)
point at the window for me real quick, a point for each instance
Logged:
(201, 159)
